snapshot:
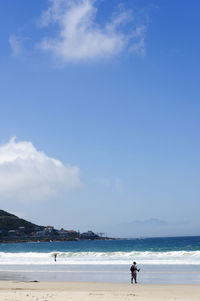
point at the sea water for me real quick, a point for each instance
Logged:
(161, 260)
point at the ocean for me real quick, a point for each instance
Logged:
(161, 260)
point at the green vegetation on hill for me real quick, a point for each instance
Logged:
(15, 229)
(10, 221)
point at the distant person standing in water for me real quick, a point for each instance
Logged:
(134, 271)
(55, 257)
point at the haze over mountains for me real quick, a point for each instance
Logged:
(151, 228)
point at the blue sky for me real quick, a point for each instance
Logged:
(113, 96)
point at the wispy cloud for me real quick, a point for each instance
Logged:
(29, 175)
(15, 44)
(79, 37)
(105, 182)
(115, 184)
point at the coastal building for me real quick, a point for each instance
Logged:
(21, 230)
(49, 229)
(12, 233)
(89, 235)
(68, 233)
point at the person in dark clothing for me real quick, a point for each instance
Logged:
(134, 271)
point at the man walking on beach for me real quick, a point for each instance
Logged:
(134, 271)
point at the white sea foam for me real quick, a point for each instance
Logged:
(102, 258)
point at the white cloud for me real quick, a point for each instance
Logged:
(15, 44)
(29, 175)
(80, 37)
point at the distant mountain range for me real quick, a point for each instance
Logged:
(10, 221)
(150, 228)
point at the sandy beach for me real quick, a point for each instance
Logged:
(76, 291)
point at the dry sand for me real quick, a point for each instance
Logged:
(85, 291)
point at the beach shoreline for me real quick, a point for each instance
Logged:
(149, 274)
(15, 290)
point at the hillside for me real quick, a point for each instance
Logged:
(15, 229)
(10, 221)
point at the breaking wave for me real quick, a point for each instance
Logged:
(101, 258)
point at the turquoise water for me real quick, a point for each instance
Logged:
(162, 260)
(154, 251)
(147, 244)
